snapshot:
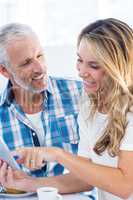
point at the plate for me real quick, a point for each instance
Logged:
(17, 195)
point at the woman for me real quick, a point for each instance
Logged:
(105, 63)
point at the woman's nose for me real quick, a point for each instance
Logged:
(83, 72)
(78, 67)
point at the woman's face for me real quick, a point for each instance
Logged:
(89, 69)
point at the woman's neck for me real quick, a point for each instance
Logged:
(102, 104)
(102, 109)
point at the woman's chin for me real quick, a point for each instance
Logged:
(90, 91)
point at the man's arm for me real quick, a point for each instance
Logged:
(17, 179)
(67, 183)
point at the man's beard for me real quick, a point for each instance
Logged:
(25, 86)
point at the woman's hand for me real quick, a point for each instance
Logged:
(35, 157)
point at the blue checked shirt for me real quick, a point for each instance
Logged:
(59, 117)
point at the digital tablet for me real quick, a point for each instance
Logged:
(5, 155)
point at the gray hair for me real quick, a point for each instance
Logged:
(8, 33)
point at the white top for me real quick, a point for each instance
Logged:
(90, 131)
(35, 119)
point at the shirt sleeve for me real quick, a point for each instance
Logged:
(127, 141)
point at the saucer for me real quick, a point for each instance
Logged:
(59, 197)
(17, 195)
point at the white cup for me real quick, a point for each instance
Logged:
(48, 193)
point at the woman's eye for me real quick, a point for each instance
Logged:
(94, 66)
(79, 60)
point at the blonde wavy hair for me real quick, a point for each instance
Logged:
(111, 42)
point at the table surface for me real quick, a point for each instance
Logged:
(65, 197)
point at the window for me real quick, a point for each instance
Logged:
(58, 24)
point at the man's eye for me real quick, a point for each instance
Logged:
(40, 56)
(26, 63)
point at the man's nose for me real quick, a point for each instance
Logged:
(39, 66)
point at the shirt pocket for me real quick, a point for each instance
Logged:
(62, 131)
(68, 128)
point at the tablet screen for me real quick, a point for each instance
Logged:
(6, 156)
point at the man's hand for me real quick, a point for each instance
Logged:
(15, 179)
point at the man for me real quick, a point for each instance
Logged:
(36, 110)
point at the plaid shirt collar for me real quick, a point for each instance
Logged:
(7, 97)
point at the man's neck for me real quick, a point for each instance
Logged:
(29, 102)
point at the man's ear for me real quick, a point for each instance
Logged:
(4, 71)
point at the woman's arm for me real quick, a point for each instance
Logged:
(118, 181)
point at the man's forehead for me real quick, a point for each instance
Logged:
(24, 44)
(23, 48)
(19, 41)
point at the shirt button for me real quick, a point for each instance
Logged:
(33, 134)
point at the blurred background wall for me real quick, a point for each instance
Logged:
(58, 23)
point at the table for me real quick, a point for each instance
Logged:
(65, 197)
